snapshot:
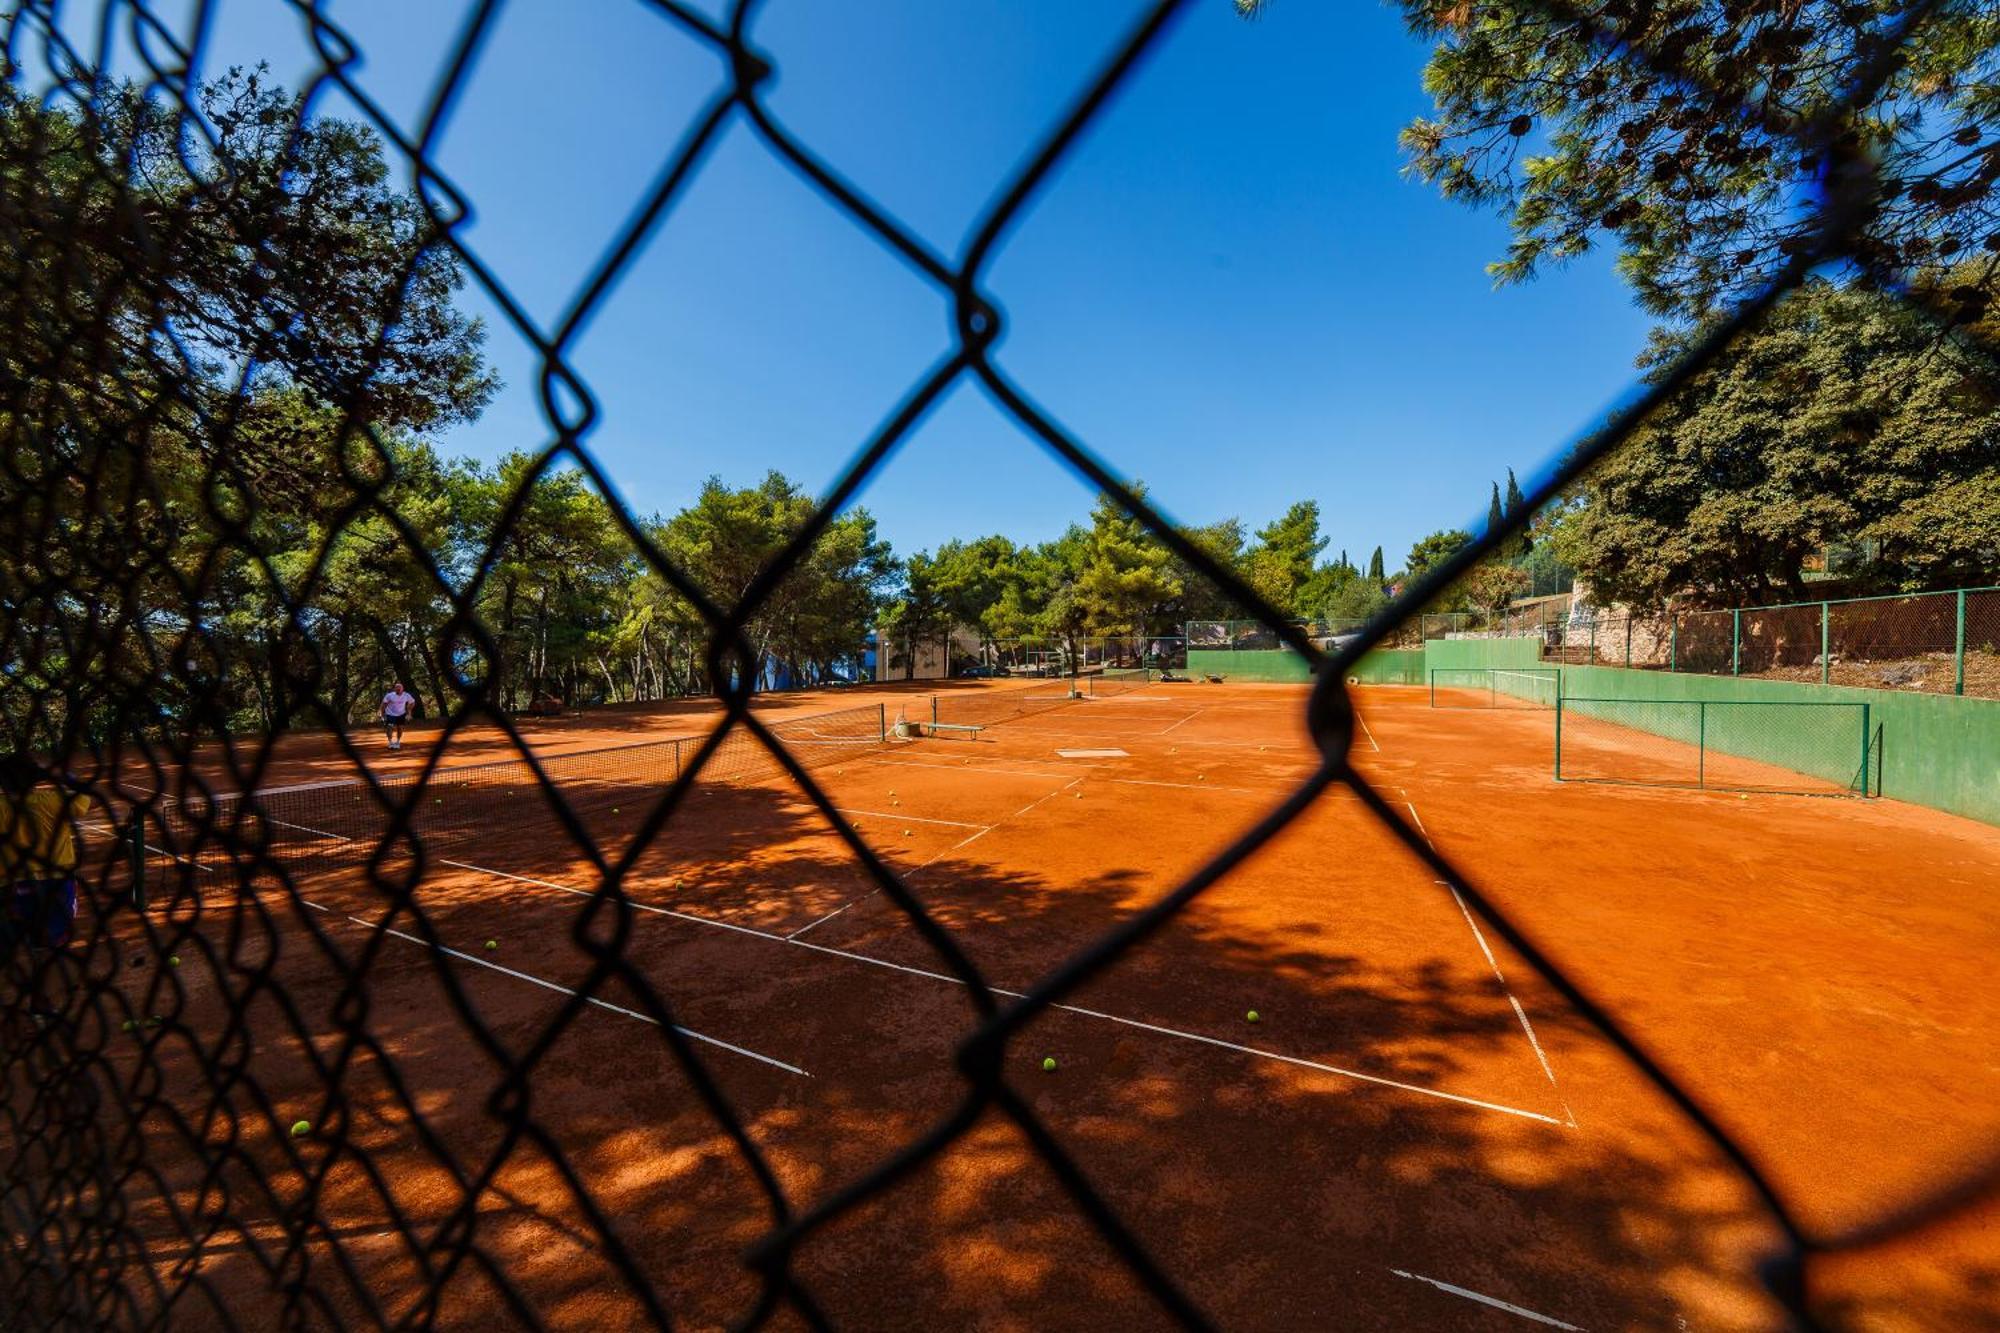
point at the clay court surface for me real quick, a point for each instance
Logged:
(1417, 1134)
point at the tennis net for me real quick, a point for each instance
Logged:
(313, 827)
(983, 707)
(1114, 681)
(1495, 687)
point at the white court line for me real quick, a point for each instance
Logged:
(914, 819)
(946, 852)
(1183, 722)
(633, 902)
(1365, 732)
(1176, 1033)
(1527, 1028)
(974, 768)
(529, 977)
(1495, 1302)
(1250, 747)
(1204, 786)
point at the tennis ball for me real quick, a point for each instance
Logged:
(126, 1026)
(1048, 1064)
(301, 1128)
(1252, 1017)
(174, 960)
(1201, 777)
(493, 944)
(906, 833)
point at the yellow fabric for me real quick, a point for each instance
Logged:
(37, 834)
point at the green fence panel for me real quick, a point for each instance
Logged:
(1939, 750)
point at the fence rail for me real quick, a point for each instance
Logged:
(1939, 642)
(1726, 745)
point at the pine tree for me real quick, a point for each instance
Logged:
(1375, 565)
(1515, 500)
(1494, 518)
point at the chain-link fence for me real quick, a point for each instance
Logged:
(142, 459)
(1734, 745)
(1082, 656)
(1937, 642)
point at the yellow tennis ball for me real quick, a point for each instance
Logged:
(301, 1128)
(1253, 1017)
(174, 960)
(906, 833)
(493, 944)
(1048, 1064)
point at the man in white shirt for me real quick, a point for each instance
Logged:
(397, 705)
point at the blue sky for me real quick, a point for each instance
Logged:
(1230, 291)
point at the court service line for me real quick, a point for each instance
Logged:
(913, 819)
(969, 768)
(1205, 786)
(1183, 722)
(1176, 1033)
(947, 851)
(1366, 732)
(1493, 1301)
(1527, 1028)
(1248, 747)
(546, 984)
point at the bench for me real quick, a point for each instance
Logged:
(970, 729)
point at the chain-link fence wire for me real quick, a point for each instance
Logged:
(108, 606)
(1716, 745)
(1938, 642)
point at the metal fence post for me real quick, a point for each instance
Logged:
(1825, 641)
(1735, 642)
(1559, 737)
(1958, 648)
(1628, 640)
(1673, 643)
(1866, 757)
(1701, 744)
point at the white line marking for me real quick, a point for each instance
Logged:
(1183, 722)
(1208, 786)
(1365, 732)
(689, 1033)
(969, 768)
(1487, 1300)
(634, 902)
(914, 819)
(1527, 1028)
(946, 852)
(1309, 1064)
(1016, 995)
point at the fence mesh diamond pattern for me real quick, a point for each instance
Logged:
(114, 1189)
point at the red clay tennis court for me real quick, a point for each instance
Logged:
(1413, 1132)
